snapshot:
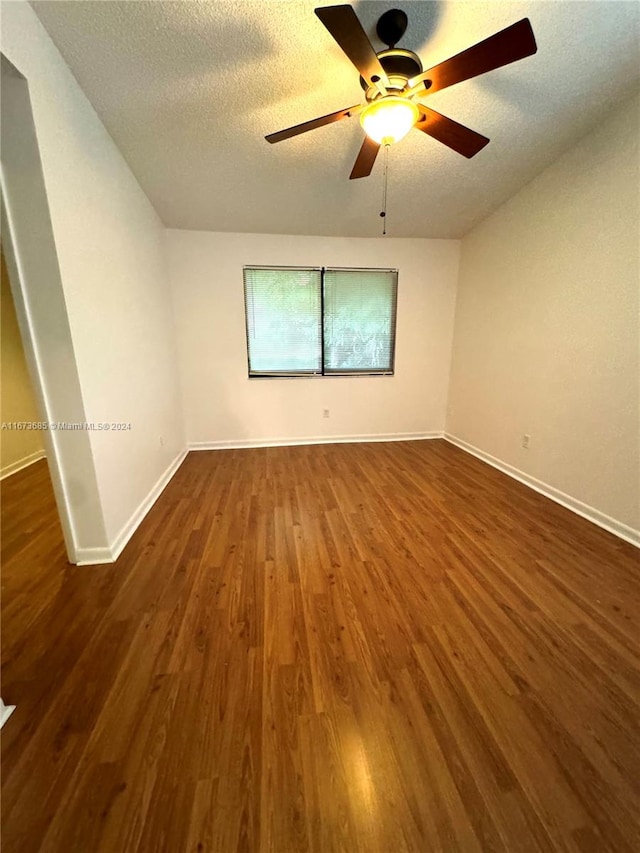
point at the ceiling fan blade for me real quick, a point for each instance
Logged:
(513, 43)
(343, 24)
(365, 159)
(456, 136)
(311, 125)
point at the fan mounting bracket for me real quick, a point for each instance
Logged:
(391, 26)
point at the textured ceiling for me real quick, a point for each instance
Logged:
(189, 89)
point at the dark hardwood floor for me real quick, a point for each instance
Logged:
(375, 647)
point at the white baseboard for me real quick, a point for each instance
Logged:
(5, 712)
(623, 531)
(239, 444)
(97, 556)
(94, 556)
(8, 470)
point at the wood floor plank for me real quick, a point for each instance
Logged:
(373, 648)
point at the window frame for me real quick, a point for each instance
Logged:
(323, 373)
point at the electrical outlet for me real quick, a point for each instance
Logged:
(325, 413)
(525, 441)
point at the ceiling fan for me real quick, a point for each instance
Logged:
(394, 80)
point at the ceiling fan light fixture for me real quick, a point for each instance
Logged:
(389, 119)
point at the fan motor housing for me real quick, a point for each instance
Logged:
(399, 64)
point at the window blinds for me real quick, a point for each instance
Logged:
(359, 320)
(284, 320)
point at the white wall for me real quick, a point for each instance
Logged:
(223, 405)
(546, 334)
(110, 247)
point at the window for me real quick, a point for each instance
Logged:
(309, 321)
(359, 321)
(284, 335)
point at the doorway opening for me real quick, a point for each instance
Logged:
(27, 500)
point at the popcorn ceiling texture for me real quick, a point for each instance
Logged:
(188, 91)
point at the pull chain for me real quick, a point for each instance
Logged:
(383, 212)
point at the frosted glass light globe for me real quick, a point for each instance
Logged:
(389, 119)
